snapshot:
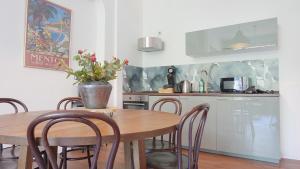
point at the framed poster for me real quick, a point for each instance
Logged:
(48, 31)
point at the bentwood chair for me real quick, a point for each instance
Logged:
(9, 155)
(83, 117)
(64, 104)
(173, 105)
(67, 102)
(195, 120)
(10, 152)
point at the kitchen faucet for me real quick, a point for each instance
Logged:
(205, 78)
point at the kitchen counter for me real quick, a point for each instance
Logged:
(276, 94)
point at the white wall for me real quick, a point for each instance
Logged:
(111, 46)
(129, 29)
(175, 17)
(42, 89)
(110, 28)
(123, 26)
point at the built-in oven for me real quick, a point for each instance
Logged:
(136, 102)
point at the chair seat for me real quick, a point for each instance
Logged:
(157, 145)
(165, 160)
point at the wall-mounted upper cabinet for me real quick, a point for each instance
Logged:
(245, 37)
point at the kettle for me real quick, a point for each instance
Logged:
(186, 86)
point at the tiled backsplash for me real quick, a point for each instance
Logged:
(133, 79)
(263, 74)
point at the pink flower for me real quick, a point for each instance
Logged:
(126, 61)
(93, 58)
(80, 52)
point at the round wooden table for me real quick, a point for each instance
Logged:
(135, 126)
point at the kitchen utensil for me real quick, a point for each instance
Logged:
(186, 86)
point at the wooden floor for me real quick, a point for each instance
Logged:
(207, 161)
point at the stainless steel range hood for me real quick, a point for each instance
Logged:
(150, 44)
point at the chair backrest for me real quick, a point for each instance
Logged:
(163, 101)
(83, 117)
(14, 103)
(195, 119)
(159, 105)
(65, 102)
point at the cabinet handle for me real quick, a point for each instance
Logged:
(237, 99)
(224, 99)
(134, 104)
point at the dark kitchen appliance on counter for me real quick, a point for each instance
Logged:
(169, 88)
(171, 77)
(136, 102)
(234, 84)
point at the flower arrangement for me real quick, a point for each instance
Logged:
(92, 70)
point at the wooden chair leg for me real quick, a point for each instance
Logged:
(12, 151)
(45, 157)
(64, 159)
(131, 155)
(88, 155)
(61, 163)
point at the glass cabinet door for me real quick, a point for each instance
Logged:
(249, 127)
(245, 37)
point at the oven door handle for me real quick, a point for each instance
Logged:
(135, 104)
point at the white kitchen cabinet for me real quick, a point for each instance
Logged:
(249, 127)
(239, 126)
(210, 130)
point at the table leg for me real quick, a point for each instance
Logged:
(25, 159)
(139, 155)
(138, 160)
(54, 152)
(127, 154)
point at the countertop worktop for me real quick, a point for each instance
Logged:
(276, 94)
